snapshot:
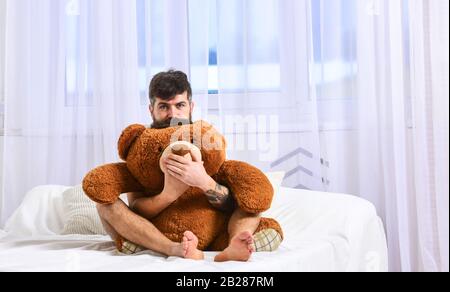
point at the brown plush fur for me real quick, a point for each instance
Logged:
(141, 149)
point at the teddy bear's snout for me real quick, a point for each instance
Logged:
(180, 149)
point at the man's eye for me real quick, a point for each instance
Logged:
(181, 105)
(163, 107)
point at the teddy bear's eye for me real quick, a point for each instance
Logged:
(160, 149)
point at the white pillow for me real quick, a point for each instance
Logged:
(81, 216)
(39, 214)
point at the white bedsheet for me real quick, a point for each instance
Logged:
(323, 232)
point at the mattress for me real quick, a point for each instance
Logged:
(323, 232)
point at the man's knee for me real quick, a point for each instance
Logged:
(103, 210)
(242, 214)
(108, 211)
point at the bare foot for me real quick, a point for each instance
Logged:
(190, 243)
(240, 249)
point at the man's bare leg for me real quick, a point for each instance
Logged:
(241, 228)
(119, 219)
(108, 228)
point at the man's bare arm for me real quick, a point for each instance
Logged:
(149, 207)
(220, 197)
(133, 197)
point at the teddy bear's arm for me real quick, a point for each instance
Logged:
(251, 189)
(106, 183)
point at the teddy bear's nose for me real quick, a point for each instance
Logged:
(180, 149)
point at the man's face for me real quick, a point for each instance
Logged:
(179, 108)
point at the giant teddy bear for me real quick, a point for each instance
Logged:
(141, 149)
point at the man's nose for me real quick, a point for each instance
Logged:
(174, 112)
(170, 113)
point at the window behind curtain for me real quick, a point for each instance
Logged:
(247, 34)
(262, 63)
(78, 56)
(261, 45)
(246, 42)
(150, 21)
(334, 42)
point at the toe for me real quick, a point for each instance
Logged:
(252, 248)
(189, 235)
(248, 237)
(245, 235)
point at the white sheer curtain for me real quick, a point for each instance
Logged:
(2, 92)
(384, 63)
(2, 59)
(403, 126)
(359, 93)
(77, 73)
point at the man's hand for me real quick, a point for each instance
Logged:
(192, 172)
(189, 170)
(173, 187)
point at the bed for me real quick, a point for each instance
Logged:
(323, 232)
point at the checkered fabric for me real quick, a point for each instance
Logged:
(267, 240)
(130, 248)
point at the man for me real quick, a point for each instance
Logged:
(171, 99)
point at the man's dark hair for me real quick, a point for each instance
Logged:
(166, 85)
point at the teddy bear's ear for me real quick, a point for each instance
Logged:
(127, 139)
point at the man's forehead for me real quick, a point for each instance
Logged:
(177, 99)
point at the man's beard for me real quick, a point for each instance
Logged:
(171, 122)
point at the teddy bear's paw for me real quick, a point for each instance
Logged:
(130, 248)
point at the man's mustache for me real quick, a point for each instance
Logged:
(172, 122)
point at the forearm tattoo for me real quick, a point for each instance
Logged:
(220, 197)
